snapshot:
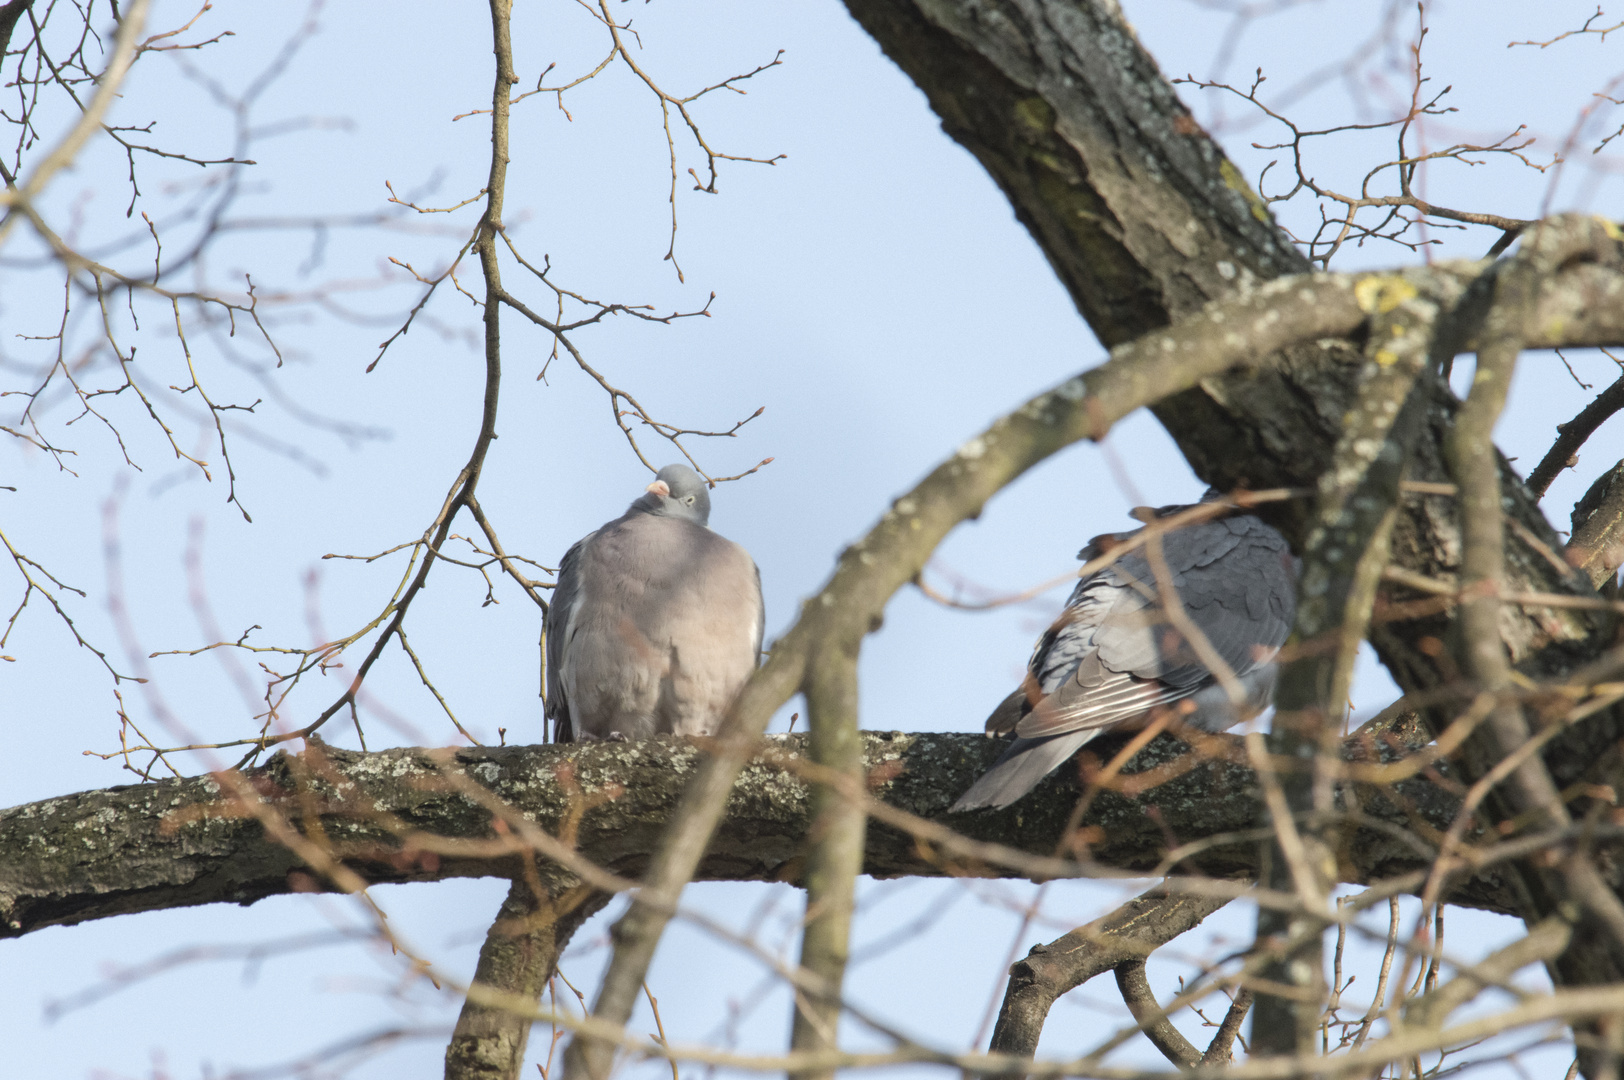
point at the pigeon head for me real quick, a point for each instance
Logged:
(679, 492)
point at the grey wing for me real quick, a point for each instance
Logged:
(1234, 579)
(557, 624)
(761, 612)
(1113, 655)
(1087, 669)
(1119, 656)
(1245, 601)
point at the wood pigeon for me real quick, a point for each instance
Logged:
(1113, 657)
(655, 622)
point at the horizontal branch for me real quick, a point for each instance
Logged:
(398, 815)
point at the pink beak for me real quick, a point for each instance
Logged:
(660, 488)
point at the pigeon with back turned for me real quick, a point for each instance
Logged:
(1113, 658)
(655, 623)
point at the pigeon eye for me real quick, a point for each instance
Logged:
(689, 500)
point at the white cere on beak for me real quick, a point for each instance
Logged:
(660, 488)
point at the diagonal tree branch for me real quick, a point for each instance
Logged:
(1125, 936)
(519, 956)
(1531, 795)
(1573, 434)
(1145, 220)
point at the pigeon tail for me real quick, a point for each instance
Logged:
(1020, 769)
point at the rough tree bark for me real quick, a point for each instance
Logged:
(414, 815)
(520, 954)
(1126, 936)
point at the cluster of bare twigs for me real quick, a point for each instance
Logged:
(120, 297)
(1387, 204)
(618, 33)
(1339, 227)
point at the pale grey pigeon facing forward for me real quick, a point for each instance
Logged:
(655, 623)
(1113, 658)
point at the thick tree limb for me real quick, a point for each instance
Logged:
(1139, 212)
(1125, 936)
(1229, 333)
(1573, 434)
(1152, 1020)
(519, 955)
(1573, 889)
(1144, 220)
(402, 815)
(836, 856)
(852, 603)
(1354, 510)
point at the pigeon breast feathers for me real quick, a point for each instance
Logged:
(656, 621)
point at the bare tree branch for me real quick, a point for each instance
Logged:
(836, 855)
(1347, 547)
(1532, 795)
(18, 198)
(1127, 935)
(1141, 1002)
(1573, 435)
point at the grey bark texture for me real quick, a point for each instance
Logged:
(1124, 937)
(519, 955)
(404, 815)
(1597, 545)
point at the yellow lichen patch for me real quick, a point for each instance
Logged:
(1035, 117)
(1380, 293)
(1386, 357)
(1612, 230)
(1236, 182)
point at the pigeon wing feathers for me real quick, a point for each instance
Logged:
(1097, 708)
(566, 594)
(1057, 653)
(1115, 655)
(1226, 574)
(1099, 664)
(1072, 637)
(1018, 771)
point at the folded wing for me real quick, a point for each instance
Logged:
(1115, 655)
